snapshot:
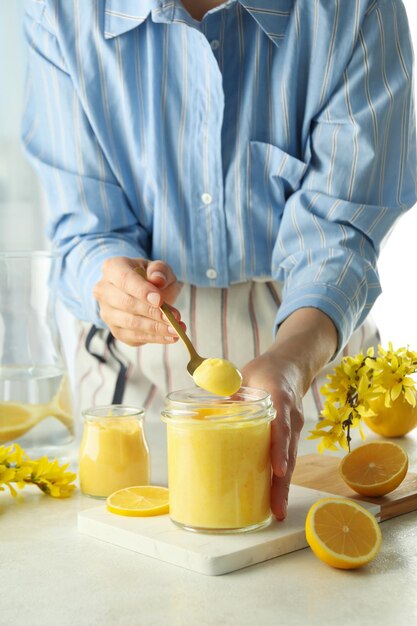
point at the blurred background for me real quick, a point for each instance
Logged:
(22, 212)
(21, 206)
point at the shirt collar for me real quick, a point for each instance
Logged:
(121, 16)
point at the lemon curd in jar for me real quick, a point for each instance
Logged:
(113, 453)
(219, 471)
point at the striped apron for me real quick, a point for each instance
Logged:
(234, 323)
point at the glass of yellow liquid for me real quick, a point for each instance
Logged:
(114, 453)
(219, 471)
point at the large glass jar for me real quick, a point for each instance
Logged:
(113, 453)
(219, 470)
(35, 396)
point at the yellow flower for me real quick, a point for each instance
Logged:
(16, 467)
(392, 371)
(51, 478)
(334, 419)
(345, 380)
(355, 383)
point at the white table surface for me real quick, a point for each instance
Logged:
(50, 574)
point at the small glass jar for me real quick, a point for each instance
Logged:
(113, 453)
(219, 469)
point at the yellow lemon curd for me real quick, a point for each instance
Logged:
(218, 376)
(113, 455)
(219, 471)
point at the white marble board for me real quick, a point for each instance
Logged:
(209, 554)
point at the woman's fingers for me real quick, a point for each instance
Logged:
(285, 434)
(287, 425)
(276, 376)
(134, 338)
(112, 296)
(129, 303)
(280, 440)
(121, 272)
(281, 483)
(160, 274)
(143, 328)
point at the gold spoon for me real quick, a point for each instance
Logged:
(218, 376)
(195, 358)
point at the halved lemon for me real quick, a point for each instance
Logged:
(17, 419)
(140, 501)
(342, 533)
(375, 468)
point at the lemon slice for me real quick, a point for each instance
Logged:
(342, 533)
(141, 501)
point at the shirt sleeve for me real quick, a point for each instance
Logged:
(90, 217)
(361, 177)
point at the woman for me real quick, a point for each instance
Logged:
(250, 155)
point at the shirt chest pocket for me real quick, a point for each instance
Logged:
(274, 176)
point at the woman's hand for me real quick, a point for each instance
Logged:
(305, 342)
(282, 380)
(129, 304)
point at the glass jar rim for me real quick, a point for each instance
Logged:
(252, 405)
(97, 413)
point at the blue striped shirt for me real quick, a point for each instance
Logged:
(273, 139)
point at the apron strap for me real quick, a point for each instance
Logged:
(120, 386)
(119, 389)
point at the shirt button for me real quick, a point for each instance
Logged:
(206, 198)
(215, 44)
(211, 273)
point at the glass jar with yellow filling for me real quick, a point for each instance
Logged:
(219, 470)
(113, 453)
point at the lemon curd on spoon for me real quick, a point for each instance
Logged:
(218, 376)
